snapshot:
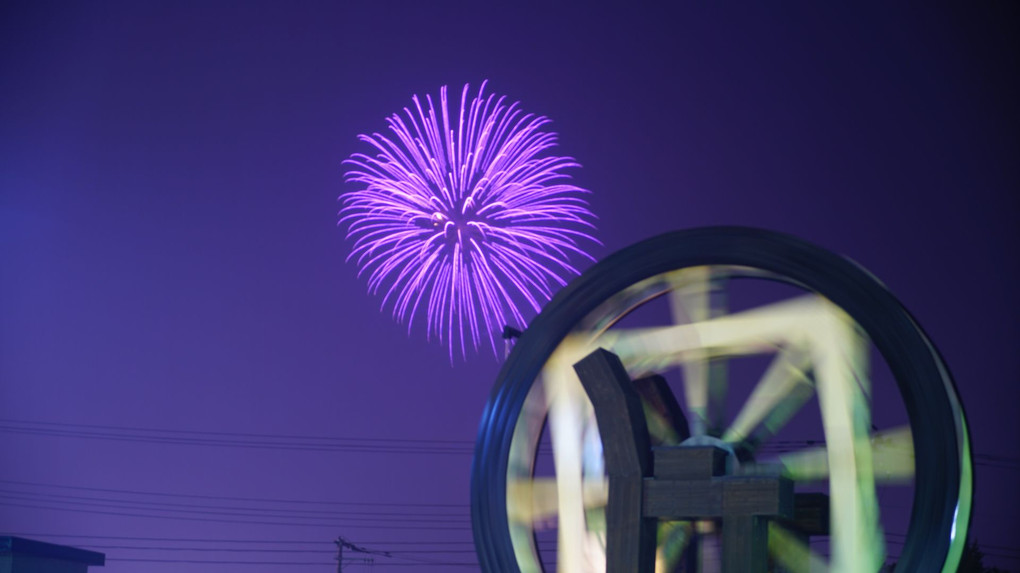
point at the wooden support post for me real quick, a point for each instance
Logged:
(630, 535)
(745, 544)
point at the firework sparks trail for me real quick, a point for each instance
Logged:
(468, 224)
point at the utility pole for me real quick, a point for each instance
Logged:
(339, 554)
(342, 544)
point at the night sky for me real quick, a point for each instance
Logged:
(170, 260)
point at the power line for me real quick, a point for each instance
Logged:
(299, 520)
(396, 552)
(318, 564)
(255, 441)
(207, 549)
(211, 562)
(394, 549)
(218, 520)
(234, 434)
(233, 498)
(232, 510)
(249, 541)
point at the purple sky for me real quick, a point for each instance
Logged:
(169, 257)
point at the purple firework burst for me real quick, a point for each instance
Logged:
(464, 220)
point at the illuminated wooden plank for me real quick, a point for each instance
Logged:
(696, 298)
(892, 453)
(536, 500)
(567, 413)
(792, 552)
(674, 538)
(755, 331)
(520, 466)
(689, 304)
(773, 391)
(856, 541)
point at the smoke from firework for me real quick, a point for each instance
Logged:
(462, 219)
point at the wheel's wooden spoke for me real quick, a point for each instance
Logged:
(688, 304)
(808, 465)
(530, 501)
(778, 417)
(792, 551)
(620, 304)
(856, 536)
(780, 393)
(595, 517)
(617, 306)
(759, 330)
(535, 500)
(527, 432)
(593, 456)
(567, 413)
(696, 394)
(660, 428)
(674, 538)
(595, 544)
(892, 453)
(892, 456)
(521, 466)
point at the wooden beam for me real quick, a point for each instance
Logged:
(630, 535)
